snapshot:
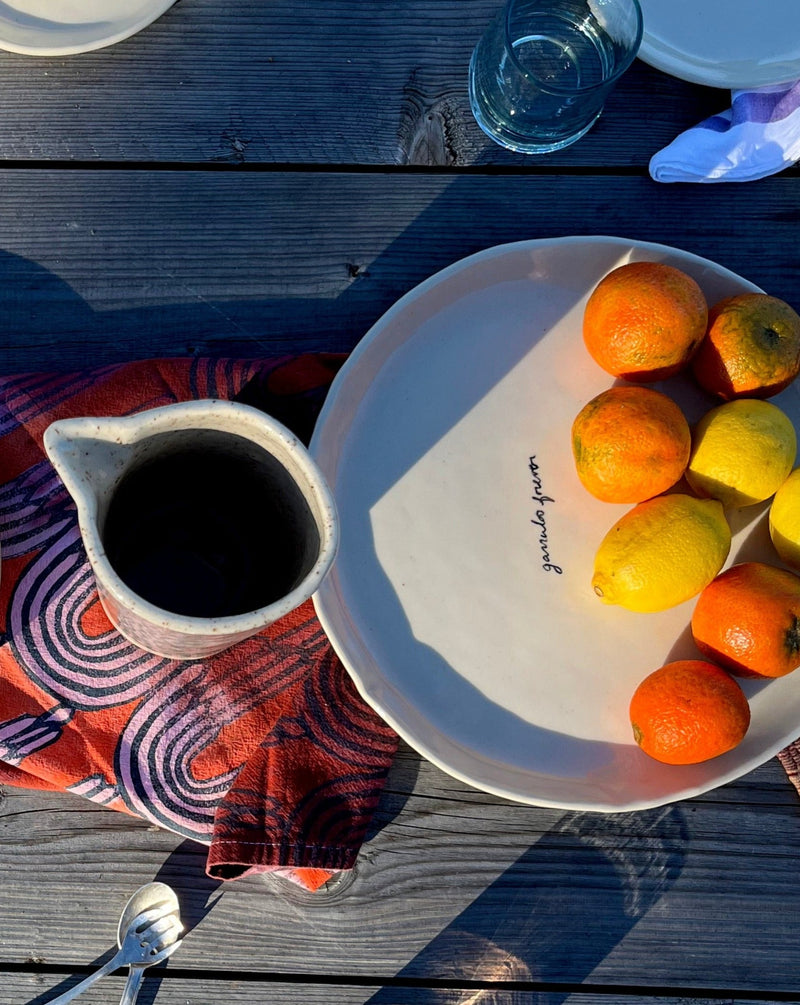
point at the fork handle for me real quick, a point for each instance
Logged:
(107, 968)
(132, 986)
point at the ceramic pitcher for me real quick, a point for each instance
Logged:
(203, 521)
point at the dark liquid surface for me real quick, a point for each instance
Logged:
(210, 531)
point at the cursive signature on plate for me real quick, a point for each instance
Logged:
(540, 519)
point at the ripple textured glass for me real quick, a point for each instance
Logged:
(541, 73)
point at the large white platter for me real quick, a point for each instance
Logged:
(65, 27)
(723, 43)
(446, 440)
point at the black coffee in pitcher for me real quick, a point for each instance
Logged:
(213, 527)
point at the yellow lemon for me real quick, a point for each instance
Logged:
(742, 452)
(661, 552)
(784, 520)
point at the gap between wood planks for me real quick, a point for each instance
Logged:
(311, 167)
(443, 984)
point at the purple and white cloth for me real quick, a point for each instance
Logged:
(757, 136)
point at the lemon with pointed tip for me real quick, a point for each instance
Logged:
(742, 452)
(661, 553)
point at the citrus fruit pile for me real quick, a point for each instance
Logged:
(647, 322)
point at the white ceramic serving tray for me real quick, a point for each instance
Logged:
(460, 601)
(723, 43)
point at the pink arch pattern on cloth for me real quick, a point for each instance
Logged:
(266, 753)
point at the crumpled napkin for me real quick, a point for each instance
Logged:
(757, 136)
(265, 753)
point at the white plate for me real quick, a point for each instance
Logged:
(65, 27)
(723, 43)
(506, 674)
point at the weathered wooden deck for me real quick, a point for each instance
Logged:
(257, 176)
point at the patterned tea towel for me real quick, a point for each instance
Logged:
(790, 759)
(265, 752)
(758, 136)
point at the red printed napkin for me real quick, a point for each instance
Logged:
(790, 760)
(266, 753)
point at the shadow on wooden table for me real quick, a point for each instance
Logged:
(548, 922)
(183, 870)
(113, 269)
(136, 271)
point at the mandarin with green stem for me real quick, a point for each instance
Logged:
(748, 620)
(751, 348)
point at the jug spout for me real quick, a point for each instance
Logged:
(89, 457)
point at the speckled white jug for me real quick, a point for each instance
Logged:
(92, 455)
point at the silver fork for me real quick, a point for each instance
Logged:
(150, 938)
(136, 970)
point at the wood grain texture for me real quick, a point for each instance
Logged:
(452, 885)
(104, 266)
(357, 82)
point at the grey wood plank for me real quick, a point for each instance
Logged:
(166, 989)
(305, 81)
(112, 265)
(452, 884)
